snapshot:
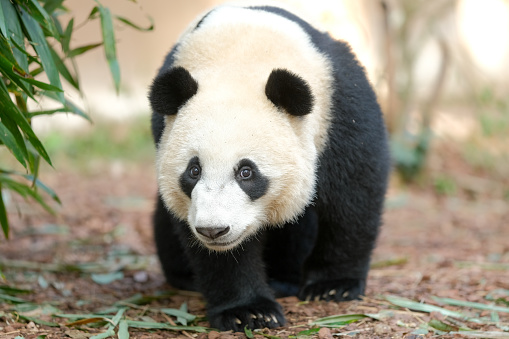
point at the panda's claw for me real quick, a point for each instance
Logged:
(263, 313)
(335, 289)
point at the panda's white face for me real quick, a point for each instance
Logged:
(247, 112)
(227, 174)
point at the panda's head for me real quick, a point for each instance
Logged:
(230, 165)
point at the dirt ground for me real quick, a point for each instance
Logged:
(430, 245)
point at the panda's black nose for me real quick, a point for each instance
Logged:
(213, 232)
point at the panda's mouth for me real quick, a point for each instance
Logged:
(223, 245)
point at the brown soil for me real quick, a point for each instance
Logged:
(430, 245)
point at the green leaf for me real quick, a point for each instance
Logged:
(80, 50)
(108, 34)
(41, 47)
(338, 320)
(163, 326)
(13, 119)
(11, 299)
(93, 14)
(441, 326)
(10, 142)
(123, 330)
(7, 67)
(62, 69)
(9, 119)
(14, 32)
(107, 278)
(109, 333)
(182, 316)
(51, 5)
(454, 302)
(40, 185)
(139, 28)
(25, 191)
(416, 306)
(311, 331)
(13, 290)
(69, 106)
(42, 85)
(3, 27)
(40, 15)
(248, 332)
(66, 37)
(37, 320)
(4, 222)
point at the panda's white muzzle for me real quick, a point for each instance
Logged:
(221, 215)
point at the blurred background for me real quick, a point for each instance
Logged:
(440, 69)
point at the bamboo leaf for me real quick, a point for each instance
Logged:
(37, 320)
(66, 37)
(69, 106)
(14, 32)
(39, 14)
(454, 302)
(182, 316)
(42, 186)
(162, 326)
(42, 85)
(80, 50)
(10, 142)
(338, 320)
(51, 5)
(41, 47)
(109, 333)
(62, 69)
(10, 111)
(6, 67)
(108, 34)
(133, 25)
(416, 306)
(25, 191)
(3, 27)
(4, 222)
(123, 330)
(94, 13)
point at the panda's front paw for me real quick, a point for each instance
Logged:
(337, 290)
(260, 314)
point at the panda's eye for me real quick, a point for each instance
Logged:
(194, 172)
(245, 173)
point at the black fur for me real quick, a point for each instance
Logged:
(257, 185)
(289, 92)
(171, 90)
(343, 223)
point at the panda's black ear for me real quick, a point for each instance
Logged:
(290, 92)
(171, 90)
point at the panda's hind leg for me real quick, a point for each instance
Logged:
(286, 250)
(170, 251)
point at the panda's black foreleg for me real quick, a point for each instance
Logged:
(338, 266)
(171, 254)
(234, 286)
(286, 249)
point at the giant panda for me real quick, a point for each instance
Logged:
(272, 164)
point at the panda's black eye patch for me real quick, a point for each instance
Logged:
(190, 176)
(251, 180)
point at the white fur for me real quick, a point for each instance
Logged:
(231, 57)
